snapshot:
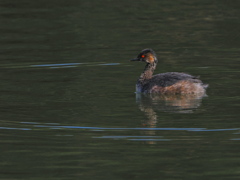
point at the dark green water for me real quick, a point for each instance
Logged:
(67, 104)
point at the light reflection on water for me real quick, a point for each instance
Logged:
(61, 65)
(10, 128)
(150, 132)
(55, 65)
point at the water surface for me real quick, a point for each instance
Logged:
(67, 98)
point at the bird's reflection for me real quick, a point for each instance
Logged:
(169, 103)
(150, 104)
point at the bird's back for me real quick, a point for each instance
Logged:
(170, 79)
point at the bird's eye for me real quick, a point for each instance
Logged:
(143, 56)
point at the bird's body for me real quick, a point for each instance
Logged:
(165, 83)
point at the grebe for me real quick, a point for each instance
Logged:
(170, 83)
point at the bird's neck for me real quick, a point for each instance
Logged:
(148, 71)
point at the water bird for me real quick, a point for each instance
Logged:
(169, 83)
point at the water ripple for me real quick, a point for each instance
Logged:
(50, 65)
(58, 126)
(105, 128)
(58, 65)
